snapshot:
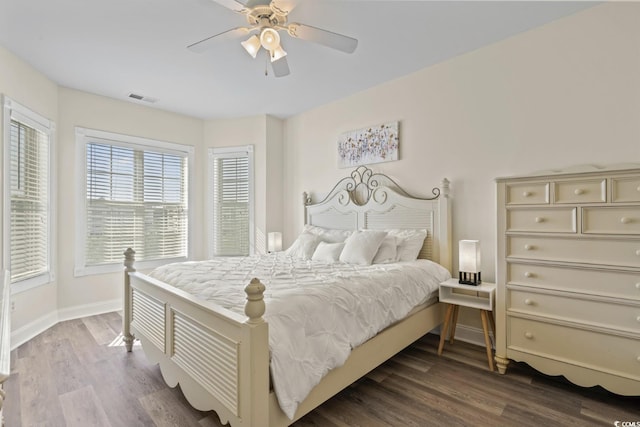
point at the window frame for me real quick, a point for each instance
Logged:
(23, 114)
(86, 136)
(213, 153)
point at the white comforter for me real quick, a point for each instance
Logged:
(317, 312)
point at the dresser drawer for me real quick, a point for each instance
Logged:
(595, 282)
(595, 350)
(585, 251)
(528, 193)
(583, 191)
(625, 189)
(611, 220)
(584, 311)
(549, 220)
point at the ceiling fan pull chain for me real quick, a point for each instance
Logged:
(266, 67)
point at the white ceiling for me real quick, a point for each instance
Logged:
(116, 47)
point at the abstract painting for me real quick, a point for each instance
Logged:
(374, 144)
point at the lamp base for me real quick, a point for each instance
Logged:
(473, 279)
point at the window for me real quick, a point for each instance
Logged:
(134, 193)
(231, 201)
(28, 144)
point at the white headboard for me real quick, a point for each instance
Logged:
(374, 201)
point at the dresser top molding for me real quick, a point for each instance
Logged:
(578, 170)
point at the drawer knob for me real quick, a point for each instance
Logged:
(528, 193)
(529, 274)
(638, 318)
(638, 252)
(528, 335)
(528, 301)
(625, 220)
(637, 285)
(578, 191)
(530, 247)
(539, 219)
(638, 189)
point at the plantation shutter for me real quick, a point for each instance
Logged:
(231, 203)
(29, 177)
(135, 197)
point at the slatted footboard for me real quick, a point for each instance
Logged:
(219, 358)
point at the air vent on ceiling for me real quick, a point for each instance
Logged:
(143, 98)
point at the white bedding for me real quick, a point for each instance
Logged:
(317, 312)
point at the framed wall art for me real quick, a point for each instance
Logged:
(369, 145)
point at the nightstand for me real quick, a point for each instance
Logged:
(480, 297)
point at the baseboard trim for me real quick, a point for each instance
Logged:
(469, 334)
(38, 326)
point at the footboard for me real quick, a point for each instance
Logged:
(219, 358)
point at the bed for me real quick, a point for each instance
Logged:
(221, 358)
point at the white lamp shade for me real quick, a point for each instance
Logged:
(469, 254)
(270, 39)
(277, 53)
(251, 45)
(274, 241)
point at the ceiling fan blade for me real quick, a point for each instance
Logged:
(280, 67)
(283, 7)
(234, 5)
(327, 38)
(207, 43)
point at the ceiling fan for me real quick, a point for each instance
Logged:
(265, 22)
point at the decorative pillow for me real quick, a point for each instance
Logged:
(328, 252)
(327, 234)
(410, 242)
(304, 246)
(361, 246)
(388, 251)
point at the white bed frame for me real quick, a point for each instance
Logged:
(221, 359)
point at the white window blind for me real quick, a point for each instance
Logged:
(28, 140)
(29, 230)
(135, 196)
(231, 182)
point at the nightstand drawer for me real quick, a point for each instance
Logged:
(598, 251)
(549, 220)
(625, 189)
(611, 220)
(583, 311)
(528, 194)
(583, 191)
(595, 282)
(594, 350)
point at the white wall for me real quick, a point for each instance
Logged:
(32, 89)
(564, 94)
(265, 133)
(103, 292)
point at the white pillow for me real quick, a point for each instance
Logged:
(304, 246)
(410, 242)
(327, 234)
(388, 251)
(328, 252)
(361, 246)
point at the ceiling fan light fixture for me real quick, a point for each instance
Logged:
(251, 45)
(277, 53)
(270, 39)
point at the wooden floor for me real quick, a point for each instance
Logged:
(78, 374)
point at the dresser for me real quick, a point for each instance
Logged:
(568, 275)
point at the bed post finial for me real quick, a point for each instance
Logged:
(127, 336)
(444, 187)
(255, 307)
